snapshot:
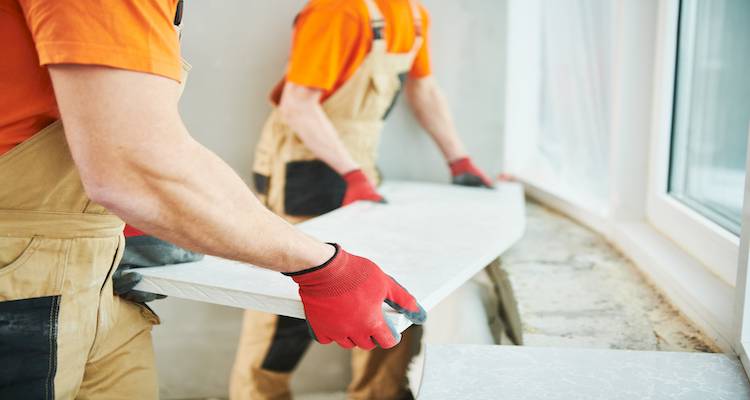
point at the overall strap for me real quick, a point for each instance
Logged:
(178, 13)
(178, 18)
(377, 23)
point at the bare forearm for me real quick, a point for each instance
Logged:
(431, 110)
(137, 159)
(193, 199)
(301, 110)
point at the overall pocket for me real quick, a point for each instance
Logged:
(312, 188)
(28, 347)
(29, 309)
(31, 267)
(14, 251)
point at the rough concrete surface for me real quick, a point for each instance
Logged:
(574, 289)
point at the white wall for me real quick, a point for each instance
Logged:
(468, 57)
(238, 51)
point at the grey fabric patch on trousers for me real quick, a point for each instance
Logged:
(28, 347)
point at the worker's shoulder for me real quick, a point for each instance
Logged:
(353, 9)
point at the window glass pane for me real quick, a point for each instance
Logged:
(712, 109)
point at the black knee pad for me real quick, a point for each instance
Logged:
(289, 343)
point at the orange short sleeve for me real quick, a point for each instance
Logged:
(421, 67)
(321, 47)
(136, 35)
(333, 37)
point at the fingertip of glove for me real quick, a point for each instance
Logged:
(417, 317)
(394, 333)
(138, 296)
(124, 283)
(131, 276)
(376, 342)
(385, 344)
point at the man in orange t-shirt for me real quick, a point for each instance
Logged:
(317, 152)
(90, 135)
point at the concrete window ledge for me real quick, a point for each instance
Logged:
(574, 289)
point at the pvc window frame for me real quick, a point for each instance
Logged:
(712, 245)
(742, 296)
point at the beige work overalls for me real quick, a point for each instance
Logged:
(59, 318)
(296, 185)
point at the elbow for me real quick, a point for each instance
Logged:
(286, 110)
(421, 88)
(415, 93)
(298, 104)
(292, 111)
(105, 189)
(108, 181)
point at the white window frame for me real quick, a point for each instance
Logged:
(711, 244)
(742, 307)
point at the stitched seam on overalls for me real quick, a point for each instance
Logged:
(85, 206)
(113, 266)
(49, 350)
(66, 259)
(97, 225)
(49, 384)
(52, 371)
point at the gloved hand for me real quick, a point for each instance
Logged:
(343, 301)
(124, 280)
(142, 252)
(465, 173)
(358, 187)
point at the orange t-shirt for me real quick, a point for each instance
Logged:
(136, 35)
(333, 37)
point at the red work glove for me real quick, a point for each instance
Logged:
(358, 187)
(465, 173)
(343, 301)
